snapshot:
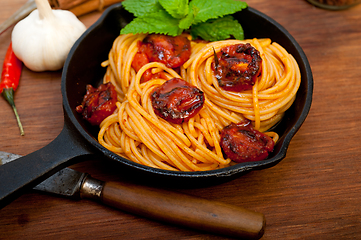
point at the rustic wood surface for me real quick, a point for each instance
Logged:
(314, 193)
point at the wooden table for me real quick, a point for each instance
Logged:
(314, 193)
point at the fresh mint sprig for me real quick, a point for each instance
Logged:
(208, 19)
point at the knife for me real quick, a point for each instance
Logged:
(158, 204)
(22, 12)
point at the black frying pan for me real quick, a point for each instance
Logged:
(77, 141)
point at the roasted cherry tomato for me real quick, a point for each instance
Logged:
(237, 67)
(98, 103)
(172, 51)
(140, 59)
(177, 100)
(242, 143)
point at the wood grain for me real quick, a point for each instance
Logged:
(314, 193)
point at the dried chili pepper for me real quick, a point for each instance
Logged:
(10, 77)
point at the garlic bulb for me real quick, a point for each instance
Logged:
(43, 39)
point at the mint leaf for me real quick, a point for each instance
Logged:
(158, 22)
(219, 29)
(186, 22)
(176, 8)
(202, 18)
(141, 8)
(212, 9)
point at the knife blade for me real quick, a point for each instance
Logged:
(162, 205)
(21, 13)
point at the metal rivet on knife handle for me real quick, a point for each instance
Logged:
(91, 188)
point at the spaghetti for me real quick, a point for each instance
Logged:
(135, 132)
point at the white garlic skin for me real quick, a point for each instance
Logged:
(43, 44)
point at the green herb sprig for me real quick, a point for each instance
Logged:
(210, 20)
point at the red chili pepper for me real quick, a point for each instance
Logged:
(10, 77)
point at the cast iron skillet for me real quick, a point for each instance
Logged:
(77, 141)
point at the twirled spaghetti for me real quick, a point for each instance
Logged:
(135, 132)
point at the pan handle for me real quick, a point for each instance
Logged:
(67, 148)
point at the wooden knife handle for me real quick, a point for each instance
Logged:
(185, 210)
